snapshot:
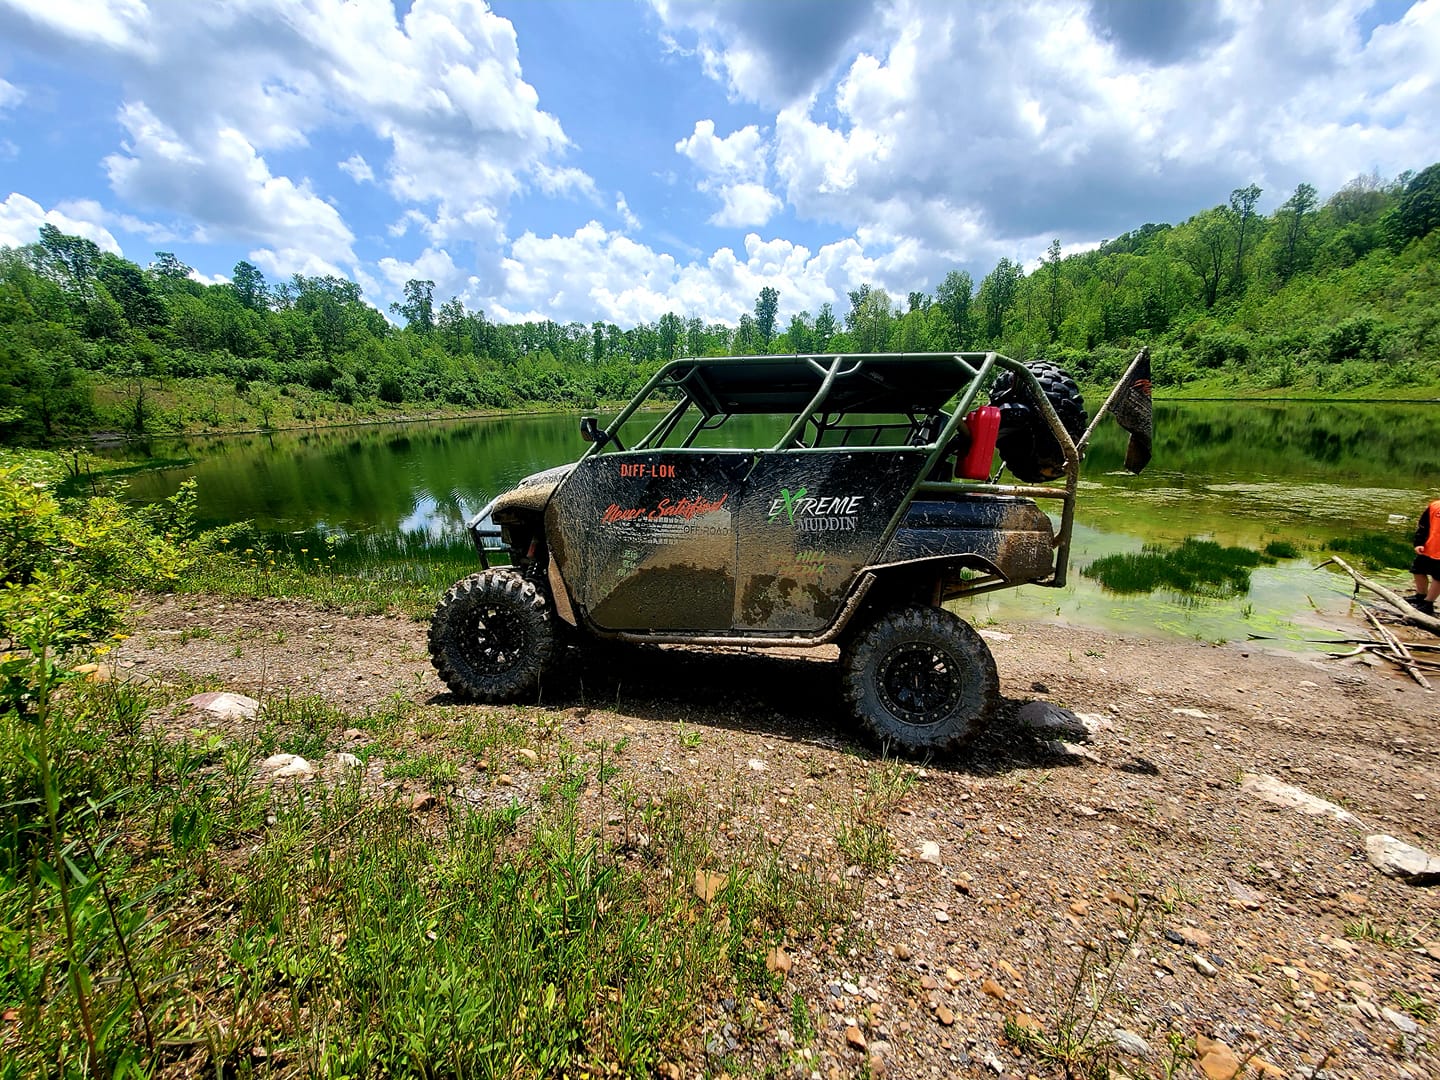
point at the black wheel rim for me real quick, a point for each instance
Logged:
(494, 640)
(920, 684)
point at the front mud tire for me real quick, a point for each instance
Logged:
(491, 637)
(921, 679)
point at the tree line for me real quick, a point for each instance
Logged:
(1325, 295)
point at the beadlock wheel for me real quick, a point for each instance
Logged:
(491, 637)
(921, 679)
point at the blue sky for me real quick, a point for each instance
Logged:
(617, 159)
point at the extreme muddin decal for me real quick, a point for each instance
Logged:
(816, 513)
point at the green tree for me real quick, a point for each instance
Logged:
(825, 326)
(1242, 207)
(954, 297)
(249, 285)
(419, 306)
(1417, 211)
(998, 292)
(1205, 243)
(766, 306)
(1052, 263)
(869, 320)
(1293, 253)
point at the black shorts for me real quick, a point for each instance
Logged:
(1423, 564)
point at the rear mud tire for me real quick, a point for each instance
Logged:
(1026, 444)
(491, 637)
(921, 680)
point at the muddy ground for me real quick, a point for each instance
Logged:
(1142, 854)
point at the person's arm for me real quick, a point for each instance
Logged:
(1422, 531)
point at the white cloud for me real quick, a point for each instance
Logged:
(599, 274)
(10, 94)
(738, 156)
(441, 87)
(745, 205)
(357, 168)
(734, 169)
(626, 214)
(957, 133)
(21, 218)
(224, 184)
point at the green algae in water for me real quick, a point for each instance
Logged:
(1281, 549)
(1198, 568)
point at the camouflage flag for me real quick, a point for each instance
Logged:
(1133, 412)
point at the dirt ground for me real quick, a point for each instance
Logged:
(1026, 873)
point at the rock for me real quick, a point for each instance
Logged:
(1194, 937)
(1196, 714)
(1205, 967)
(286, 767)
(1071, 751)
(1399, 859)
(944, 1015)
(930, 852)
(1216, 1060)
(1130, 1044)
(942, 916)
(1401, 1021)
(1080, 908)
(953, 976)
(854, 1037)
(225, 706)
(340, 764)
(877, 1067)
(530, 757)
(778, 960)
(1270, 790)
(1432, 949)
(353, 733)
(95, 673)
(902, 951)
(993, 988)
(1048, 719)
(757, 765)
(995, 635)
(708, 885)
(422, 801)
(1247, 897)
(1121, 897)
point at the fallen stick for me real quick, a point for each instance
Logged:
(1405, 611)
(1398, 652)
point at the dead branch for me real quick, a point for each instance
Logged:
(1404, 610)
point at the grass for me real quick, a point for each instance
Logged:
(1375, 551)
(1196, 568)
(165, 913)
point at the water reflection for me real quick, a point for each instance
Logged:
(1240, 474)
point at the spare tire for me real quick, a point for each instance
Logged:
(1026, 444)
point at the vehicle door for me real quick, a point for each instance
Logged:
(806, 521)
(645, 540)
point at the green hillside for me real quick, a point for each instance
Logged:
(1332, 299)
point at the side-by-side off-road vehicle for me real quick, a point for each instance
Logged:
(794, 501)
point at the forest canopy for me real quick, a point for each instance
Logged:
(1319, 297)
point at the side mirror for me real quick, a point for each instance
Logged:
(589, 429)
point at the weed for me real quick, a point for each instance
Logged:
(865, 844)
(1414, 1005)
(1363, 929)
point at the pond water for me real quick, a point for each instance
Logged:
(1242, 474)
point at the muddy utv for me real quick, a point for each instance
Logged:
(793, 501)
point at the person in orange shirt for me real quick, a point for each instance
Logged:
(1426, 567)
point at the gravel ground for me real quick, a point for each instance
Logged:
(1133, 890)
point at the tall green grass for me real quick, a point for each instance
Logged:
(1193, 568)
